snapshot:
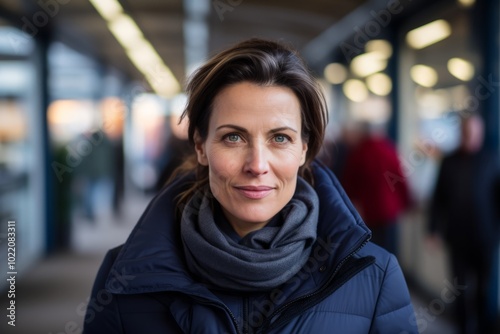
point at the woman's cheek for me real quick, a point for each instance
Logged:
(222, 170)
(225, 162)
(288, 160)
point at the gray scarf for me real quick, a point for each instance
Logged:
(261, 260)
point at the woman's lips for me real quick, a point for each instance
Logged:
(254, 192)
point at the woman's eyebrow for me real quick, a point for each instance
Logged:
(242, 129)
(283, 128)
(232, 126)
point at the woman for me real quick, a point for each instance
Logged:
(253, 236)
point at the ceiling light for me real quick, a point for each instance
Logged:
(424, 75)
(467, 3)
(126, 31)
(108, 9)
(428, 34)
(163, 81)
(335, 73)
(139, 50)
(379, 84)
(355, 90)
(461, 69)
(144, 56)
(383, 47)
(368, 63)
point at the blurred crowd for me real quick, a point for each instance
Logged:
(462, 213)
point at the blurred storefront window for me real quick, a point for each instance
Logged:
(414, 80)
(438, 62)
(148, 135)
(20, 175)
(438, 65)
(86, 122)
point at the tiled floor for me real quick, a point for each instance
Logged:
(53, 295)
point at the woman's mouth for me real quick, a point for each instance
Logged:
(254, 192)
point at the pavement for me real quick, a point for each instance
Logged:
(51, 297)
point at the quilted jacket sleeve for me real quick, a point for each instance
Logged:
(394, 311)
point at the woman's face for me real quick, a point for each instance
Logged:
(253, 151)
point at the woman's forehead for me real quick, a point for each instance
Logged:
(245, 103)
(251, 97)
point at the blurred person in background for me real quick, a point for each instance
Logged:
(373, 179)
(465, 213)
(255, 235)
(118, 175)
(64, 202)
(94, 173)
(334, 153)
(113, 119)
(176, 151)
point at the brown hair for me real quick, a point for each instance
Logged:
(264, 63)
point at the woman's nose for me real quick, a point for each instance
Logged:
(257, 160)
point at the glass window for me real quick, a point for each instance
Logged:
(438, 63)
(20, 174)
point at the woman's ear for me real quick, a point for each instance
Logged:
(199, 146)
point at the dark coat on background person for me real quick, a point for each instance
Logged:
(466, 203)
(348, 284)
(465, 213)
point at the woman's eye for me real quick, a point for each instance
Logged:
(232, 137)
(281, 139)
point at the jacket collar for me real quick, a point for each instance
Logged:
(339, 224)
(153, 259)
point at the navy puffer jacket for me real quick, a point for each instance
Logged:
(348, 285)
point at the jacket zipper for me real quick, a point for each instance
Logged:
(224, 307)
(267, 324)
(246, 316)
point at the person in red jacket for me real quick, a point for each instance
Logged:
(374, 181)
